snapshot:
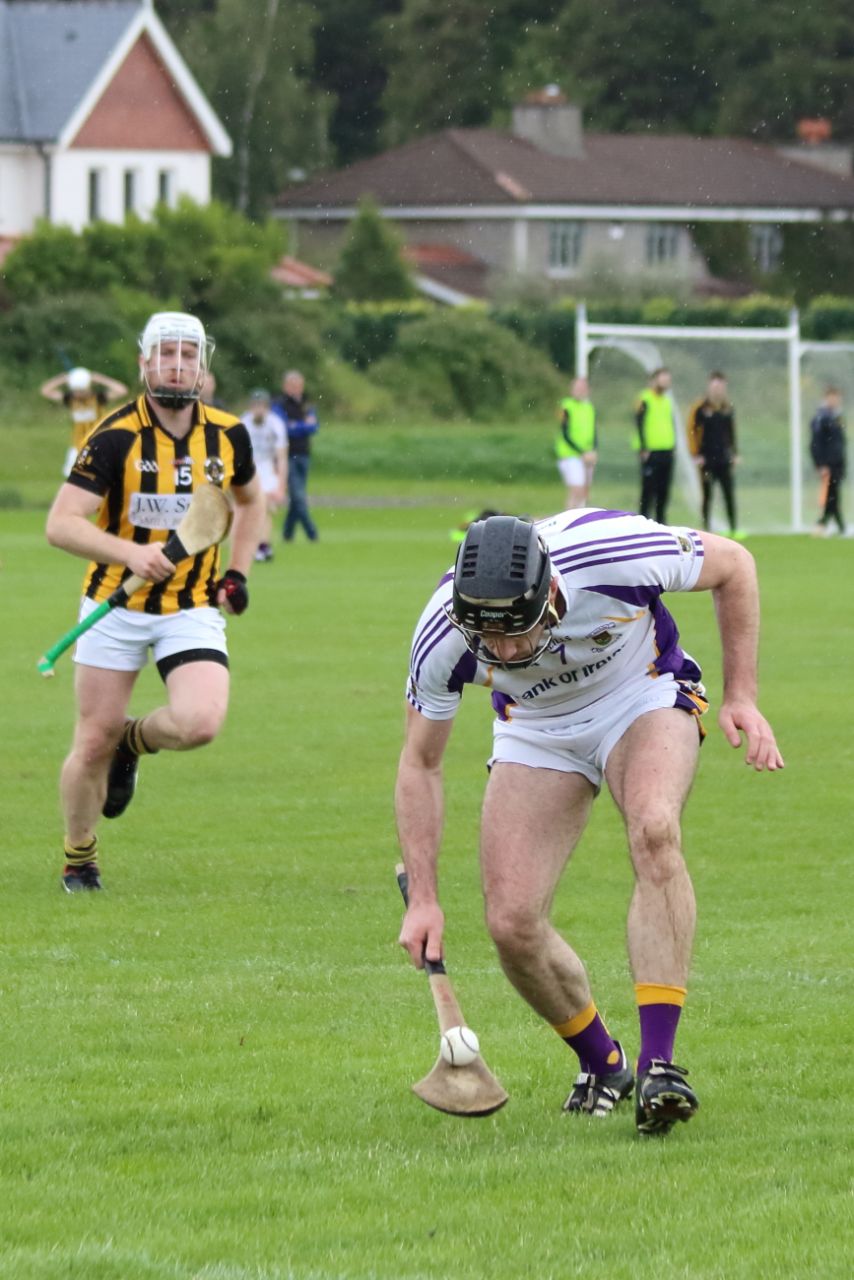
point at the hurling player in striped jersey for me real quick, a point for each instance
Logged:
(131, 483)
(563, 622)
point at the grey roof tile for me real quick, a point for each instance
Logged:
(50, 53)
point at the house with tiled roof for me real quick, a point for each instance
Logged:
(99, 115)
(548, 202)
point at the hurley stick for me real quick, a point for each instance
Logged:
(205, 523)
(471, 1090)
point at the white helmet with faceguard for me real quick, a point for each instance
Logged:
(501, 585)
(79, 380)
(176, 355)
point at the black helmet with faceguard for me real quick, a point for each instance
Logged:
(501, 582)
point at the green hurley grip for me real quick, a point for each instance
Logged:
(45, 663)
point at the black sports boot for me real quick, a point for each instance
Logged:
(78, 879)
(594, 1095)
(662, 1097)
(121, 782)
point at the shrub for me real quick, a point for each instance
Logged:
(371, 266)
(38, 339)
(461, 364)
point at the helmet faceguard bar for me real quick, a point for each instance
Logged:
(501, 586)
(191, 358)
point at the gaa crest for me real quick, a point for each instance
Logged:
(214, 470)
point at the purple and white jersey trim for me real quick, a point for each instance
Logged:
(612, 568)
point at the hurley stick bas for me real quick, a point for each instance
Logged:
(470, 1090)
(205, 523)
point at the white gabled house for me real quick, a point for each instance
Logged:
(99, 115)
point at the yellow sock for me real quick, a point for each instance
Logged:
(79, 855)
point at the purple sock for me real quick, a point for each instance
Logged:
(596, 1050)
(658, 1023)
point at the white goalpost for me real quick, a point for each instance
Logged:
(775, 378)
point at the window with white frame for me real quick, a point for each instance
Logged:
(165, 186)
(565, 243)
(131, 189)
(766, 245)
(662, 243)
(96, 194)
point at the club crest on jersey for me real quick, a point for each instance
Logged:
(602, 637)
(214, 470)
(684, 543)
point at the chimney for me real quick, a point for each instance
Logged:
(546, 119)
(814, 147)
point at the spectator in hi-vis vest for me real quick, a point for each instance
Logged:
(655, 441)
(575, 443)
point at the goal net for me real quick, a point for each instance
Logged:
(775, 382)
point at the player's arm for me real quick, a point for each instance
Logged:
(640, 423)
(419, 809)
(695, 433)
(729, 572)
(250, 510)
(112, 386)
(70, 527)
(53, 389)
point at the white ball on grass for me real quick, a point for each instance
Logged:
(459, 1046)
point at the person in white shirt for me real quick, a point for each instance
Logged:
(564, 623)
(270, 449)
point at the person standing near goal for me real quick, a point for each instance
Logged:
(655, 441)
(828, 450)
(711, 440)
(575, 443)
(563, 622)
(135, 475)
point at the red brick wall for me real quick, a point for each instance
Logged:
(142, 110)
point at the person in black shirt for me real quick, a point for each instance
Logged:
(711, 439)
(828, 449)
(301, 424)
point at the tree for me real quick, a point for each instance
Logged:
(257, 74)
(632, 64)
(351, 64)
(370, 267)
(449, 61)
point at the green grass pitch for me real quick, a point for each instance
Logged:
(206, 1069)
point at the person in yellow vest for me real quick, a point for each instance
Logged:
(86, 395)
(656, 443)
(575, 443)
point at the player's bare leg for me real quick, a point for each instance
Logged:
(532, 820)
(193, 716)
(102, 699)
(650, 773)
(198, 701)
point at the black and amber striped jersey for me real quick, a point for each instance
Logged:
(85, 411)
(146, 478)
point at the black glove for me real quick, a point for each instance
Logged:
(233, 583)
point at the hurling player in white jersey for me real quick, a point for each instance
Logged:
(270, 450)
(563, 622)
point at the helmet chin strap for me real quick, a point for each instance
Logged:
(169, 398)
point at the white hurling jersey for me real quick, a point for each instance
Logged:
(613, 629)
(267, 437)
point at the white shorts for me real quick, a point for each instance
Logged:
(123, 637)
(573, 471)
(581, 742)
(267, 476)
